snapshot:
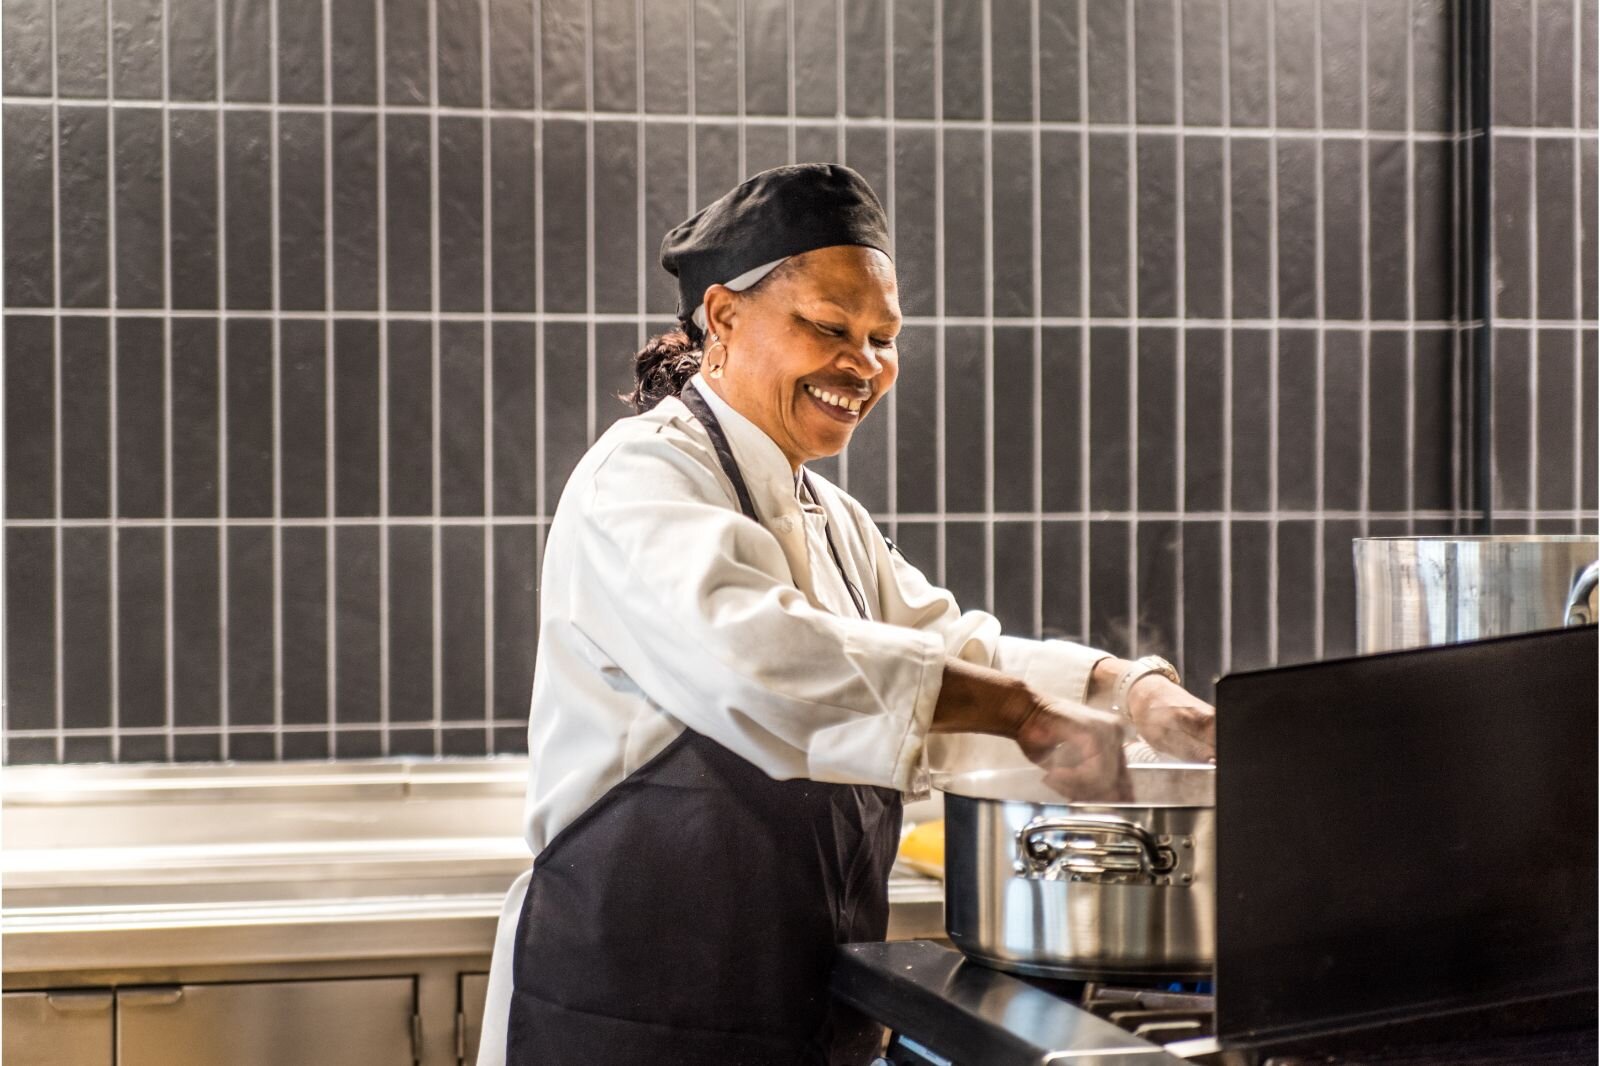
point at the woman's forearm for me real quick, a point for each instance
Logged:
(977, 699)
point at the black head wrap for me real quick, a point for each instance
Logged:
(775, 214)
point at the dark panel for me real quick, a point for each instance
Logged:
(136, 748)
(1058, 61)
(1251, 443)
(566, 175)
(962, 56)
(246, 57)
(28, 751)
(358, 744)
(84, 206)
(461, 210)
(1297, 419)
(299, 47)
(514, 243)
(1011, 49)
(562, 51)
(918, 544)
(1341, 249)
(616, 55)
(1388, 233)
(817, 59)
(410, 423)
(1156, 57)
(1204, 43)
(1295, 63)
(86, 627)
(406, 54)
(1297, 577)
(1204, 446)
(1511, 44)
(461, 418)
(1589, 421)
(81, 48)
(355, 212)
(916, 423)
(1589, 251)
(1107, 47)
(87, 749)
(302, 746)
(1433, 389)
(248, 364)
(355, 418)
(141, 395)
(356, 656)
(1386, 66)
(1109, 422)
(764, 147)
(1252, 228)
(251, 669)
(1060, 205)
(511, 64)
(461, 623)
(30, 423)
(463, 743)
(1203, 246)
(1110, 614)
(1012, 211)
(197, 747)
(867, 152)
(516, 572)
(302, 213)
(192, 209)
(1553, 426)
(1108, 225)
(459, 49)
(28, 47)
(409, 208)
(1557, 227)
(1343, 453)
(515, 446)
(1015, 577)
(916, 221)
(1297, 229)
(1157, 418)
(1060, 434)
(864, 70)
(1555, 37)
(85, 418)
(966, 555)
(1061, 565)
(195, 420)
(141, 627)
(192, 34)
(1249, 72)
(411, 633)
(305, 624)
(716, 148)
(303, 432)
(615, 344)
(1432, 65)
(666, 203)
(139, 210)
(666, 75)
(1014, 433)
(415, 743)
(1158, 226)
(965, 476)
(1386, 420)
(1588, 92)
(716, 57)
(1338, 589)
(964, 273)
(1249, 571)
(248, 170)
(616, 217)
(566, 402)
(355, 42)
(1341, 63)
(818, 142)
(1158, 546)
(1435, 259)
(29, 220)
(867, 460)
(30, 630)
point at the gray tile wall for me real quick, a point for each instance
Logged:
(311, 307)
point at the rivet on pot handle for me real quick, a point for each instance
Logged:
(1097, 847)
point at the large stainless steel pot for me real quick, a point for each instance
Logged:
(1038, 885)
(1414, 591)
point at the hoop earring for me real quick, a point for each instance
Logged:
(715, 372)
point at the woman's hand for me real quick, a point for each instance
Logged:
(1173, 721)
(1079, 749)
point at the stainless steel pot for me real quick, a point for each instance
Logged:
(1413, 591)
(1038, 885)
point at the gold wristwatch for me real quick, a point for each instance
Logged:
(1142, 667)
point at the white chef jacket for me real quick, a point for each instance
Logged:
(663, 607)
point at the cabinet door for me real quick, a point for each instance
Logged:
(474, 989)
(56, 1028)
(308, 1023)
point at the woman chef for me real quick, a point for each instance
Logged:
(736, 672)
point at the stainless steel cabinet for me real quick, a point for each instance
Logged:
(474, 989)
(56, 1028)
(361, 1022)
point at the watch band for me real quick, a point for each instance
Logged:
(1142, 667)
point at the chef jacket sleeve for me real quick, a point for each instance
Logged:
(695, 604)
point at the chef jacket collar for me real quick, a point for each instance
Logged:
(773, 483)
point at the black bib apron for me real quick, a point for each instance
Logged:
(690, 916)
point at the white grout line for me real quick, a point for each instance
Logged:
(1225, 652)
(114, 544)
(486, 162)
(1131, 412)
(1036, 333)
(56, 355)
(437, 546)
(1320, 432)
(1533, 266)
(330, 470)
(589, 263)
(986, 67)
(891, 203)
(939, 301)
(1411, 264)
(1084, 569)
(274, 266)
(1366, 294)
(223, 678)
(169, 580)
(1180, 339)
(1274, 298)
(382, 235)
(1577, 267)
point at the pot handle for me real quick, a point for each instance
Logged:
(1094, 846)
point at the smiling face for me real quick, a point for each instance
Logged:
(811, 348)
